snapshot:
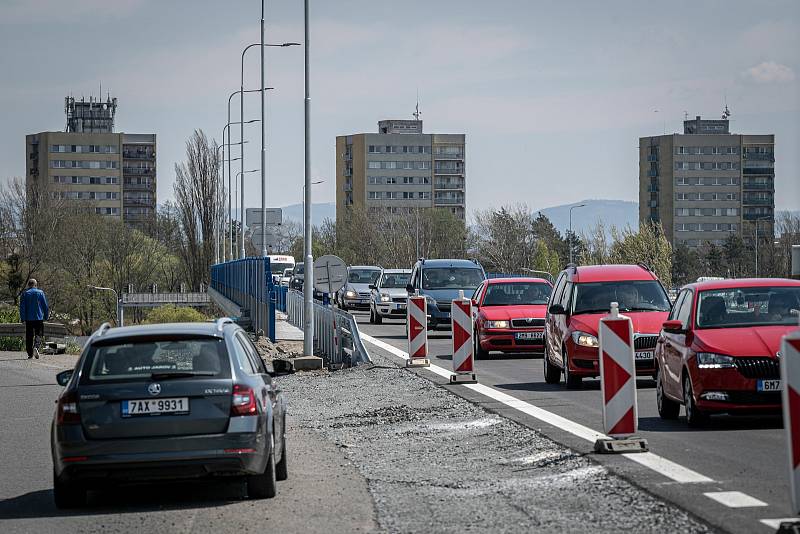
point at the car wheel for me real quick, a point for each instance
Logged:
(694, 416)
(572, 381)
(552, 374)
(281, 468)
(378, 318)
(478, 350)
(68, 495)
(371, 316)
(264, 486)
(667, 408)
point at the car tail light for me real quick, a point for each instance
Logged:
(243, 401)
(67, 413)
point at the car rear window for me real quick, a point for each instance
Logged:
(131, 360)
(748, 306)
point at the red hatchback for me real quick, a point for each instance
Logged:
(719, 350)
(582, 296)
(509, 315)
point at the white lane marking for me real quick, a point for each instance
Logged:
(734, 499)
(661, 465)
(775, 523)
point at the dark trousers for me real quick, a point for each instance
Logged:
(32, 328)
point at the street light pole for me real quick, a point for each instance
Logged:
(570, 229)
(217, 213)
(116, 298)
(263, 147)
(308, 288)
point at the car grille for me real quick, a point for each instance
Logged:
(537, 342)
(764, 368)
(364, 295)
(526, 323)
(401, 300)
(644, 341)
(645, 364)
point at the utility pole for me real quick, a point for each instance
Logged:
(308, 285)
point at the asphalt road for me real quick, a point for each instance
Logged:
(744, 454)
(310, 501)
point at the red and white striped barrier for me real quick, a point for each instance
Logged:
(417, 317)
(618, 382)
(462, 328)
(790, 380)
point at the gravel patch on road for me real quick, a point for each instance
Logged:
(436, 463)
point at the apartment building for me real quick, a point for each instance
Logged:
(708, 183)
(114, 173)
(400, 167)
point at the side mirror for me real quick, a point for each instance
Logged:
(673, 327)
(373, 286)
(475, 303)
(557, 309)
(63, 377)
(282, 367)
(409, 288)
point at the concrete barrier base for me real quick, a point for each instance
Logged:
(307, 363)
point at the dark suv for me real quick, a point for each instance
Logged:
(439, 281)
(164, 402)
(581, 297)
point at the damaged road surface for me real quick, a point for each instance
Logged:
(436, 463)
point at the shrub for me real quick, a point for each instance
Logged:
(174, 314)
(10, 314)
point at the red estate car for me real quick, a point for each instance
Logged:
(582, 296)
(509, 315)
(719, 350)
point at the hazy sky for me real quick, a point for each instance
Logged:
(553, 96)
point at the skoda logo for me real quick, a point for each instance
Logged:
(529, 320)
(778, 355)
(154, 389)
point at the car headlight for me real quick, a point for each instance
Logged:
(350, 294)
(496, 324)
(584, 340)
(385, 297)
(709, 360)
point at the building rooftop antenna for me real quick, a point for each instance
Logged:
(417, 113)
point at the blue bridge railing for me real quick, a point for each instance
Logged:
(248, 283)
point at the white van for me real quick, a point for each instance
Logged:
(278, 264)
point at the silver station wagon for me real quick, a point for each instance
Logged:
(166, 402)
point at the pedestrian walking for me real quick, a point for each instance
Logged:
(33, 311)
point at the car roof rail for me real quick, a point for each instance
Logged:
(222, 321)
(102, 329)
(644, 266)
(571, 266)
(421, 259)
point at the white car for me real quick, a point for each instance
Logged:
(286, 276)
(389, 295)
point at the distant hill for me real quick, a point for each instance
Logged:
(619, 213)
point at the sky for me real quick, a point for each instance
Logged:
(553, 96)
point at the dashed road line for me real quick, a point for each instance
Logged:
(734, 499)
(775, 523)
(654, 462)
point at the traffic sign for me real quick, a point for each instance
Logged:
(463, 357)
(790, 380)
(330, 273)
(257, 237)
(253, 216)
(417, 331)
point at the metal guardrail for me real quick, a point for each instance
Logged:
(248, 283)
(336, 336)
(158, 299)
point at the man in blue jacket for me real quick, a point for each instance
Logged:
(33, 311)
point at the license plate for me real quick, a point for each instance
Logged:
(644, 355)
(155, 406)
(529, 335)
(768, 385)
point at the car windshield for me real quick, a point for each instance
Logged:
(206, 357)
(299, 268)
(277, 268)
(363, 276)
(748, 306)
(466, 278)
(632, 295)
(395, 280)
(516, 294)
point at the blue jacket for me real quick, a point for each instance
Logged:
(33, 305)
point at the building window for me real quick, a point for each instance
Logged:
(374, 165)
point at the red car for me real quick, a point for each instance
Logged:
(582, 296)
(719, 350)
(509, 315)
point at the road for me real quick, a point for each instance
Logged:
(741, 454)
(308, 502)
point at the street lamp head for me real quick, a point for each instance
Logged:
(290, 44)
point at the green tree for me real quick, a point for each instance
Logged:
(649, 246)
(174, 314)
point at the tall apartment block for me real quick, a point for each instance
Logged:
(115, 173)
(707, 183)
(400, 167)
